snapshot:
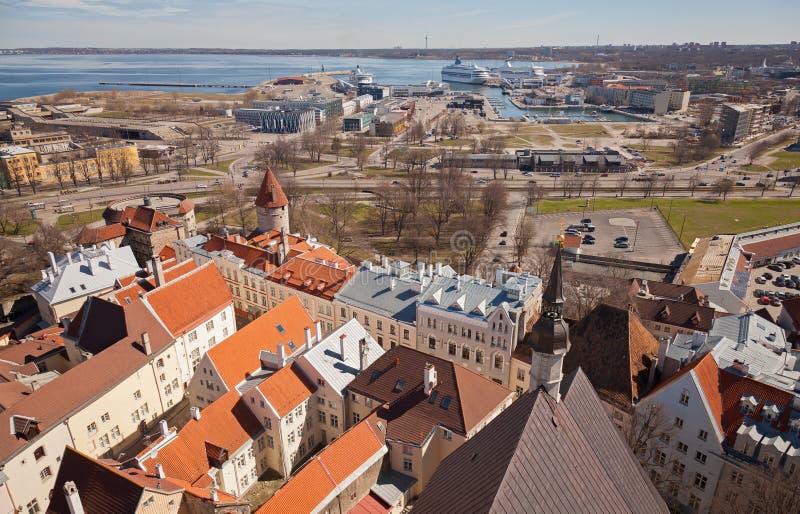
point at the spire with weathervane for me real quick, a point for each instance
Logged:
(550, 335)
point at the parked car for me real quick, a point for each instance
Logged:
(765, 300)
(702, 184)
(761, 280)
(202, 186)
(776, 302)
(504, 233)
(503, 242)
(621, 244)
(767, 275)
(586, 220)
(587, 241)
(758, 293)
(621, 239)
(740, 183)
(572, 232)
(774, 267)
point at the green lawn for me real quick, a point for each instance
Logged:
(579, 130)
(25, 229)
(76, 219)
(203, 212)
(303, 164)
(703, 218)
(783, 160)
(455, 142)
(194, 172)
(220, 165)
(663, 155)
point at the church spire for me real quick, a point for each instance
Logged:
(554, 294)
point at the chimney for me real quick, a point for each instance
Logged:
(195, 413)
(73, 498)
(342, 339)
(363, 350)
(158, 272)
(368, 265)
(163, 428)
(65, 321)
(385, 262)
(309, 340)
(109, 259)
(430, 270)
(69, 257)
(318, 330)
(429, 378)
(392, 283)
(652, 376)
(438, 268)
(52, 258)
(214, 495)
(281, 354)
(663, 348)
(421, 274)
(149, 266)
(146, 348)
(111, 244)
(160, 471)
(90, 264)
(284, 248)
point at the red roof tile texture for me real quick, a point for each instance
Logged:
(252, 256)
(772, 247)
(286, 389)
(190, 299)
(320, 272)
(96, 235)
(146, 219)
(270, 194)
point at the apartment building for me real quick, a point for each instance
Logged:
(741, 121)
(384, 299)
(477, 324)
(265, 345)
(70, 279)
(430, 407)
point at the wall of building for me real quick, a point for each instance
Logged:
(193, 345)
(387, 331)
(355, 491)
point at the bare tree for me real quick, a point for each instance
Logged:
(722, 187)
(522, 239)
(494, 198)
(29, 169)
(336, 148)
(123, 164)
(539, 260)
(339, 212)
(622, 183)
(84, 170)
(313, 142)
(48, 238)
(416, 132)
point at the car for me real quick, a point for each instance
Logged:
(202, 186)
(760, 184)
(781, 295)
(761, 280)
(788, 264)
(572, 232)
(740, 184)
(587, 241)
(775, 267)
(776, 302)
(555, 175)
(589, 236)
(758, 293)
(474, 171)
(770, 175)
(702, 184)
(769, 293)
(796, 260)
(604, 174)
(621, 244)
(504, 233)
(621, 239)
(765, 300)
(497, 258)
(745, 178)
(217, 182)
(503, 243)
(586, 220)
(767, 275)
(531, 182)
(779, 282)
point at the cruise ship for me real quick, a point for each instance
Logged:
(465, 73)
(359, 77)
(509, 72)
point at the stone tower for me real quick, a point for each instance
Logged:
(272, 206)
(550, 337)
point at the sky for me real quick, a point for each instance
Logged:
(385, 24)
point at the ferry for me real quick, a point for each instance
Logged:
(509, 72)
(465, 73)
(359, 77)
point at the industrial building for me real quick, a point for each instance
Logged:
(641, 96)
(277, 121)
(555, 161)
(358, 122)
(740, 121)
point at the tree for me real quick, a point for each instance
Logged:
(72, 168)
(722, 187)
(622, 183)
(48, 238)
(494, 198)
(29, 170)
(416, 132)
(11, 218)
(313, 142)
(339, 212)
(522, 239)
(123, 164)
(336, 148)
(84, 170)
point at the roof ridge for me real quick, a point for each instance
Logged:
(182, 276)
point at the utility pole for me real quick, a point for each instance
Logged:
(680, 236)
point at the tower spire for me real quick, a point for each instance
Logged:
(272, 205)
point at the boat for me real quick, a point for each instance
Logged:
(465, 73)
(509, 72)
(606, 108)
(359, 77)
(595, 113)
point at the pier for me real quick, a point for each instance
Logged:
(175, 84)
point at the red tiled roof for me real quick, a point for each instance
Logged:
(252, 256)
(166, 253)
(96, 235)
(329, 469)
(185, 206)
(772, 247)
(238, 355)
(146, 219)
(320, 272)
(133, 285)
(270, 194)
(670, 312)
(286, 389)
(370, 505)
(36, 345)
(227, 423)
(190, 299)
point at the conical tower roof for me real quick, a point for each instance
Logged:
(550, 334)
(554, 294)
(270, 194)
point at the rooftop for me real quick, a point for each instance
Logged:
(286, 389)
(270, 194)
(319, 272)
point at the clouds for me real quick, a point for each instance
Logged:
(114, 8)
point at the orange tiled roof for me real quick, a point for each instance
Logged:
(166, 253)
(270, 194)
(320, 272)
(286, 389)
(772, 247)
(237, 355)
(321, 475)
(146, 219)
(132, 285)
(190, 299)
(96, 235)
(227, 423)
(252, 256)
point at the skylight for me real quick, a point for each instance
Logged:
(400, 385)
(375, 375)
(280, 328)
(434, 396)
(446, 402)
(292, 345)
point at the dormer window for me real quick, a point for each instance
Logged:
(771, 411)
(748, 403)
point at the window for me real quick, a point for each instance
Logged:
(270, 441)
(322, 416)
(465, 352)
(210, 325)
(135, 417)
(193, 336)
(334, 421)
(160, 363)
(683, 447)
(694, 502)
(684, 397)
(223, 315)
(291, 436)
(447, 435)
(342, 310)
(700, 481)
(405, 334)
(137, 395)
(268, 423)
(479, 356)
(702, 435)
(290, 418)
(451, 348)
(38, 453)
(91, 428)
(261, 446)
(45, 473)
(660, 458)
(356, 417)
(520, 375)
(407, 465)
(498, 361)
(33, 507)
(407, 450)
(679, 422)
(678, 468)
(115, 433)
(700, 457)
(431, 342)
(212, 341)
(664, 438)
(366, 320)
(737, 477)
(393, 330)
(104, 442)
(379, 324)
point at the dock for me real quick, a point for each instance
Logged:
(175, 84)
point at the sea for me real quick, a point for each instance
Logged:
(31, 75)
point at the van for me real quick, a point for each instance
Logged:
(35, 205)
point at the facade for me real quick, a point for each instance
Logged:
(430, 407)
(664, 317)
(741, 121)
(148, 231)
(384, 299)
(70, 279)
(548, 161)
(42, 142)
(476, 324)
(332, 107)
(274, 121)
(358, 122)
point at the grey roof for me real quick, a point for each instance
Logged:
(392, 486)
(540, 455)
(371, 289)
(198, 240)
(85, 271)
(751, 327)
(325, 356)
(478, 298)
(781, 370)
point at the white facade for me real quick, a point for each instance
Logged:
(193, 345)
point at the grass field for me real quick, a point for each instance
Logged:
(79, 218)
(25, 229)
(194, 172)
(784, 160)
(220, 166)
(455, 142)
(576, 130)
(703, 218)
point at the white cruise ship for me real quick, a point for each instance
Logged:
(359, 77)
(509, 72)
(465, 73)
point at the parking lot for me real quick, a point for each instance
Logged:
(771, 289)
(649, 236)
